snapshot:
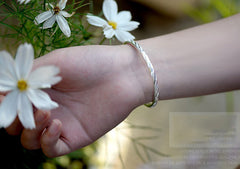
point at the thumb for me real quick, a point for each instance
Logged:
(51, 142)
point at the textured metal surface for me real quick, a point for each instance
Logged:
(151, 69)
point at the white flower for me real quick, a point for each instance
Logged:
(117, 24)
(21, 1)
(55, 14)
(24, 87)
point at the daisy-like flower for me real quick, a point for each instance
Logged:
(25, 1)
(118, 24)
(23, 87)
(55, 14)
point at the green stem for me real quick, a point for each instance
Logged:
(44, 5)
(81, 6)
(91, 6)
(102, 41)
(43, 34)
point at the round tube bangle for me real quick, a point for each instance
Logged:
(151, 69)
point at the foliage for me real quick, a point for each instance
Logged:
(78, 159)
(211, 10)
(19, 21)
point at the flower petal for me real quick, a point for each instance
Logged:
(49, 23)
(25, 111)
(96, 21)
(65, 14)
(7, 83)
(123, 16)
(50, 5)
(24, 60)
(27, 1)
(8, 109)
(7, 64)
(44, 77)
(110, 9)
(128, 26)
(63, 25)
(41, 99)
(21, 1)
(109, 32)
(62, 4)
(43, 17)
(124, 36)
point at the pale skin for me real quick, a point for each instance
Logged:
(102, 84)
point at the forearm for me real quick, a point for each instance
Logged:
(198, 61)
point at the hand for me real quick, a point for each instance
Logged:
(100, 86)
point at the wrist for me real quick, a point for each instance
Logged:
(137, 75)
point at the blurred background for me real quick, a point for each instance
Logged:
(142, 141)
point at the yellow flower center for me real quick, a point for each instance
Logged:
(113, 24)
(22, 85)
(56, 10)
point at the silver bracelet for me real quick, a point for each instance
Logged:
(151, 69)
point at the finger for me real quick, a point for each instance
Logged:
(3, 93)
(15, 128)
(1, 97)
(30, 139)
(51, 143)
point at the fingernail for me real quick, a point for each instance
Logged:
(42, 116)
